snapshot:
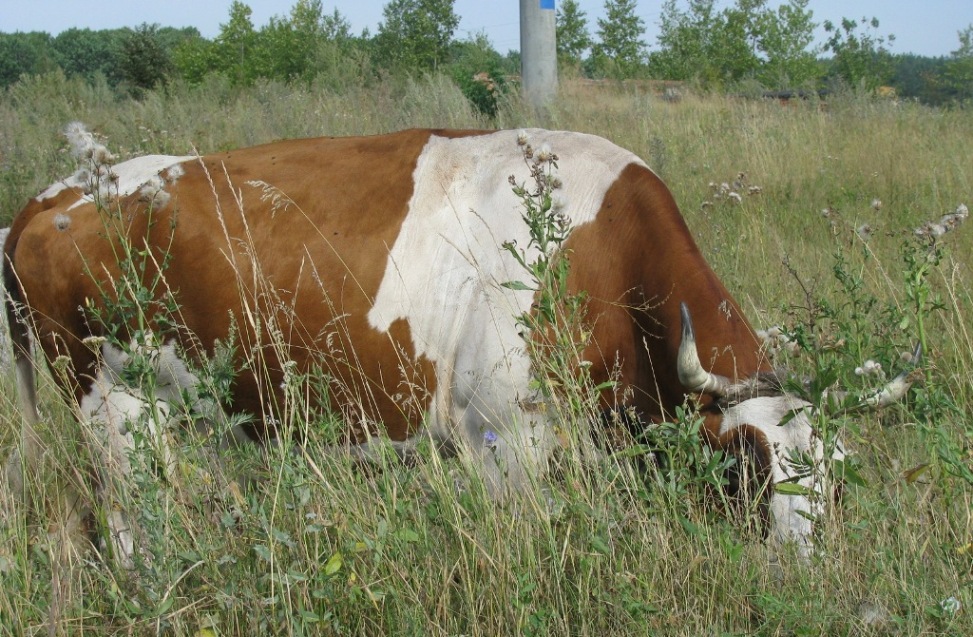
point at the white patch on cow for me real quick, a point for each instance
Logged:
(113, 412)
(73, 182)
(791, 515)
(132, 175)
(445, 273)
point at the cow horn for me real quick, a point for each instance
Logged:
(691, 373)
(895, 389)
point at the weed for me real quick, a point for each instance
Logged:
(342, 552)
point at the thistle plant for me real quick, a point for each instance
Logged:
(941, 420)
(855, 341)
(554, 328)
(139, 363)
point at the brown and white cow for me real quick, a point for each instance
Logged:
(380, 259)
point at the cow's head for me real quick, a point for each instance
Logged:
(777, 428)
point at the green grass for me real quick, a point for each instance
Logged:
(325, 548)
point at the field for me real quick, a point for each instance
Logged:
(819, 237)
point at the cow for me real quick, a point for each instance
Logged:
(384, 261)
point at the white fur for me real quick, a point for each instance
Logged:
(132, 175)
(112, 410)
(444, 276)
(794, 437)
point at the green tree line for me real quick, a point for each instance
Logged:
(415, 37)
(746, 44)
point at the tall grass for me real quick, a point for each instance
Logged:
(316, 545)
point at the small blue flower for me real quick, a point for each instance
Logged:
(490, 438)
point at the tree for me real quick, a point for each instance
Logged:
(476, 67)
(298, 47)
(572, 33)
(25, 54)
(861, 56)
(959, 67)
(620, 51)
(415, 34)
(785, 39)
(304, 44)
(144, 61)
(194, 58)
(922, 78)
(86, 53)
(745, 40)
(733, 53)
(684, 40)
(285, 47)
(235, 46)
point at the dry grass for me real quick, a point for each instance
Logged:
(331, 549)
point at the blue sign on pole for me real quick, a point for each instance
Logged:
(547, 4)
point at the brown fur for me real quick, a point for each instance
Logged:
(321, 258)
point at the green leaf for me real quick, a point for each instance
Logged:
(334, 564)
(164, 607)
(309, 617)
(634, 451)
(688, 526)
(516, 285)
(789, 416)
(262, 552)
(915, 473)
(847, 472)
(792, 488)
(600, 546)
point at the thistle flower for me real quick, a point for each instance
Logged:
(101, 155)
(522, 138)
(153, 193)
(876, 204)
(85, 147)
(175, 172)
(61, 363)
(946, 223)
(869, 368)
(62, 222)
(82, 142)
(94, 343)
(864, 232)
(545, 154)
(774, 341)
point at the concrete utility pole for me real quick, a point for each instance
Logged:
(538, 51)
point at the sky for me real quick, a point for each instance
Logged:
(926, 27)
